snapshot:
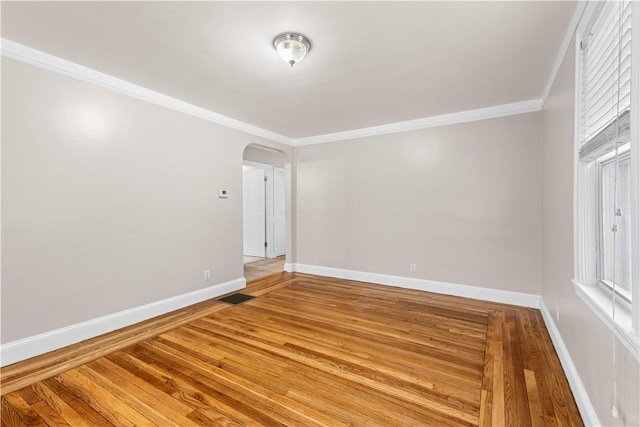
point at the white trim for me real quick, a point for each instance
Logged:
(49, 62)
(635, 168)
(45, 342)
(564, 46)
(428, 122)
(475, 292)
(600, 303)
(587, 411)
(268, 206)
(289, 267)
(579, 260)
(257, 165)
(626, 325)
(278, 251)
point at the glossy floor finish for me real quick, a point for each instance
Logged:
(263, 267)
(308, 351)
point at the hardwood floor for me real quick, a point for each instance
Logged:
(309, 351)
(263, 267)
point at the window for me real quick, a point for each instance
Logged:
(607, 187)
(614, 247)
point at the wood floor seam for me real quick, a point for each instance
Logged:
(312, 351)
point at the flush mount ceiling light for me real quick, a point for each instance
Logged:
(292, 47)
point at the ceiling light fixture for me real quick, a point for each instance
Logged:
(292, 47)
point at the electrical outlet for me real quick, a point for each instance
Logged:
(412, 268)
(207, 274)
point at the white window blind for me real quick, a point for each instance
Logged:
(606, 81)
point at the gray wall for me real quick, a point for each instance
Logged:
(586, 337)
(460, 201)
(99, 217)
(109, 211)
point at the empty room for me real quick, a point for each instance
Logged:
(320, 213)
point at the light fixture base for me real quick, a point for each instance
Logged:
(292, 47)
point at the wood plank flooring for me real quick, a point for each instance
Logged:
(309, 351)
(263, 267)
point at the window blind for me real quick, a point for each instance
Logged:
(606, 81)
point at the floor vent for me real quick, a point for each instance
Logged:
(235, 299)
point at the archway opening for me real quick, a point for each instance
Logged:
(264, 200)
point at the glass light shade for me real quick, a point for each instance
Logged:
(291, 47)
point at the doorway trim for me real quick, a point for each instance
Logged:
(269, 205)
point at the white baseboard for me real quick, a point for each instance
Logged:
(25, 348)
(585, 407)
(288, 267)
(589, 415)
(475, 292)
(45, 342)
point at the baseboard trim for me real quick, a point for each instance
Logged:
(585, 407)
(588, 412)
(45, 342)
(25, 348)
(475, 292)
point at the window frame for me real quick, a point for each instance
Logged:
(623, 319)
(626, 297)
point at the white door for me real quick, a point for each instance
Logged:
(253, 202)
(279, 210)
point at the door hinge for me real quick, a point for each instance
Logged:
(265, 179)
(265, 244)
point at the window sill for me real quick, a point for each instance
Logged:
(600, 303)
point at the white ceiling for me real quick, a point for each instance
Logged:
(372, 63)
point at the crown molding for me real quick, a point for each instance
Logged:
(49, 62)
(562, 51)
(27, 55)
(428, 122)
